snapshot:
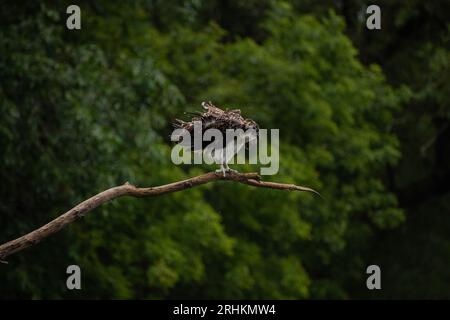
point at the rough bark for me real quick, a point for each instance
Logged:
(127, 189)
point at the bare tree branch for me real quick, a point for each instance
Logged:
(127, 189)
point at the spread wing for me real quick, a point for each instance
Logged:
(213, 117)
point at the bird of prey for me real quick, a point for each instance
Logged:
(215, 118)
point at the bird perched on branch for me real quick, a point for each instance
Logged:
(215, 118)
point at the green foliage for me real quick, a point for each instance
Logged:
(334, 116)
(86, 110)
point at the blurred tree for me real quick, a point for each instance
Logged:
(87, 110)
(75, 123)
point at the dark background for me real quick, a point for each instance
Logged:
(363, 118)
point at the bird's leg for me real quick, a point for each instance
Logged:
(228, 169)
(221, 170)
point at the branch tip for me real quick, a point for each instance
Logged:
(30, 239)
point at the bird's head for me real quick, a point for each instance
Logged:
(250, 124)
(251, 129)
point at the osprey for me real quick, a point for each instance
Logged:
(216, 118)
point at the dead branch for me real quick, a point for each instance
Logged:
(127, 189)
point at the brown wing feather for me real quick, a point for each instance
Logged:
(214, 117)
